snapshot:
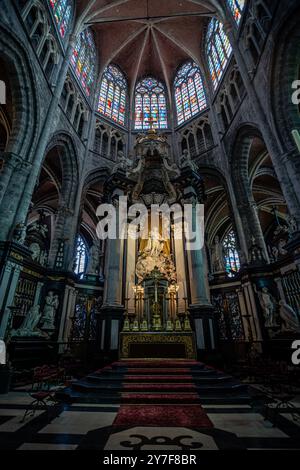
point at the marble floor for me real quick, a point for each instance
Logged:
(90, 426)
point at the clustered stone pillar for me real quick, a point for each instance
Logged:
(111, 313)
(200, 306)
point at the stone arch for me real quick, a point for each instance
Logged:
(92, 193)
(25, 115)
(285, 70)
(69, 165)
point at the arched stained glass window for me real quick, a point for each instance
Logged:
(218, 50)
(150, 105)
(80, 256)
(83, 60)
(237, 7)
(189, 92)
(232, 259)
(113, 93)
(62, 12)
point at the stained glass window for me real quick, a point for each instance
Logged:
(218, 50)
(80, 257)
(237, 7)
(150, 105)
(113, 94)
(62, 12)
(83, 60)
(232, 259)
(189, 92)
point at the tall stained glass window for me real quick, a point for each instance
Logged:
(80, 257)
(218, 50)
(113, 92)
(83, 60)
(237, 7)
(62, 12)
(189, 92)
(150, 105)
(232, 259)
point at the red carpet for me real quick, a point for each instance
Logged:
(160, 398)
(186, 387)
(189, 416)
(160, 393)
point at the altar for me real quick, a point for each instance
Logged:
(157, 345)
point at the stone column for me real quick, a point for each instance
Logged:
(200, 307)
(181, 273)
(130, 274)
(67, 312)
(8, 288)
(111, 313)
(251, 224)
(62, 231)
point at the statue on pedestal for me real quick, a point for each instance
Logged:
(123, 163)
(29, 326)
(51, 306)
(19, 234)
(217, 256)
(187, 162)
(93, 267)
(291, 321)
(268, 305)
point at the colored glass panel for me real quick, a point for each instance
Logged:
(218, 50)
(150, 105)
(112, 98)
(62, 12)
(231, 256)
(236, 7)
(83, 60)
(189, 92)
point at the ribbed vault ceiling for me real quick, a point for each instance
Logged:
(148, 37)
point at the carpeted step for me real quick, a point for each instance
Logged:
(163, 398)
(159, 387)
(193, 416)
(158, 382)
(154, 363)
(157, 370)
(158, 378)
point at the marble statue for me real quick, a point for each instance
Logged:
(268, 305)
(173, 168)
(94, 259)
(35, 251)
(19, 234)
(30, 323)
(217, 256)
(275, 253)
(292, 225)
(187, 162)
(153, 257)
(51, 306)
(155, 244)
(123, 163)
(290, 319)
(281, 250)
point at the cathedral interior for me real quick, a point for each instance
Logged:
(126, 343)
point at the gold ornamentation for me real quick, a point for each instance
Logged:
(185, 338)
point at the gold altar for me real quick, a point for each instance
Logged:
(157, 345)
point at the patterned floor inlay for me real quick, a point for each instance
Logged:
(90, 426)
